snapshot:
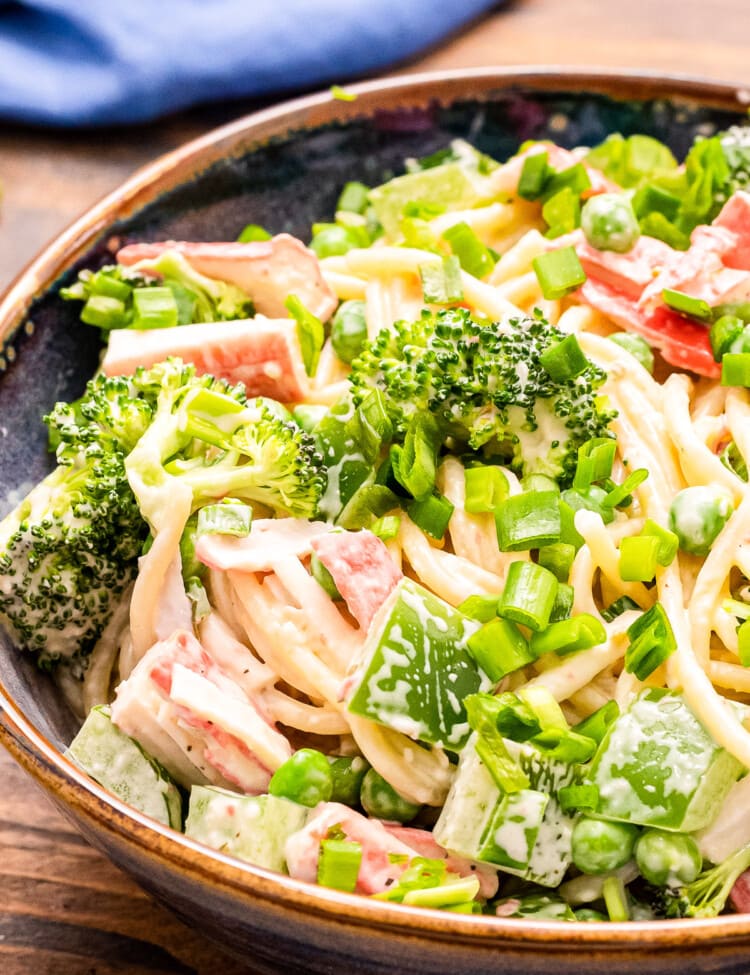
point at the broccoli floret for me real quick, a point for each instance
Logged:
(206, 438)
(70, 548)
(707, 895)
(486, 386)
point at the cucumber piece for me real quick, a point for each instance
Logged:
(524, 833)
(251, 828)
(118, 763)
(658, 766)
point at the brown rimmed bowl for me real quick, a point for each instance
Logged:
(283, 168)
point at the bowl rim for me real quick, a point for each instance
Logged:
(60, 777)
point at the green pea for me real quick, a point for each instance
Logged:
(333, 240)
(323, 577)
(348, 774)
(589, 914)
(667, 859)
(599, 846)
(697, 515)
(381, 800)
(304, 778)
(349, 330)
(609, 224)
(637, 346)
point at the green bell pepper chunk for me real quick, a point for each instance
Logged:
(416, 670)
(658, 766)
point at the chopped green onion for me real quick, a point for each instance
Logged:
(341, 95)
(558, 272)
(480, 608)
(598, 724)
(572, 797)
(225, 518)
(569, 636)
(637, 346)
(196, 593)
(333, 240)
(743, 643)
(569, 534)
(485, 488)
(574, 177)
(733, 459)
(104, 312)
(687, 305)
(154, 308)
(338, 864)
(638, 558)
(723, 333)
(499, 648)
(534, 174)
(102, 283)
(653, 199)
(252, 232)
(417, 465)
(387, 527)
(735, 368)
(528, 520)
(515, 718)
(652, 641)
(447, 895)
(563, 605)
(441, 281)
(558, 558)
(562, 213)
(618, 607)
(309, 331)
(481, 712)
(616, 899)
(545, 707)
(623, 491)
(564, 746)
(528, 596)
(354, 197)
(431, 514)
(595, 459)
(592, 498)
(324, 578)
(472, 254)
(737, 608)
(668, 541)
(564, 360)
(539, 482)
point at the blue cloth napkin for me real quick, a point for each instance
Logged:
(98, 62)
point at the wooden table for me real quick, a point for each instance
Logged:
(64, 909)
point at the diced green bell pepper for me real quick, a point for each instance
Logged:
(416, 671)
(658, 766)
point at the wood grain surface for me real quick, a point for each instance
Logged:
(64, 909)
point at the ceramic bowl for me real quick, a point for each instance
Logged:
(283, 168)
